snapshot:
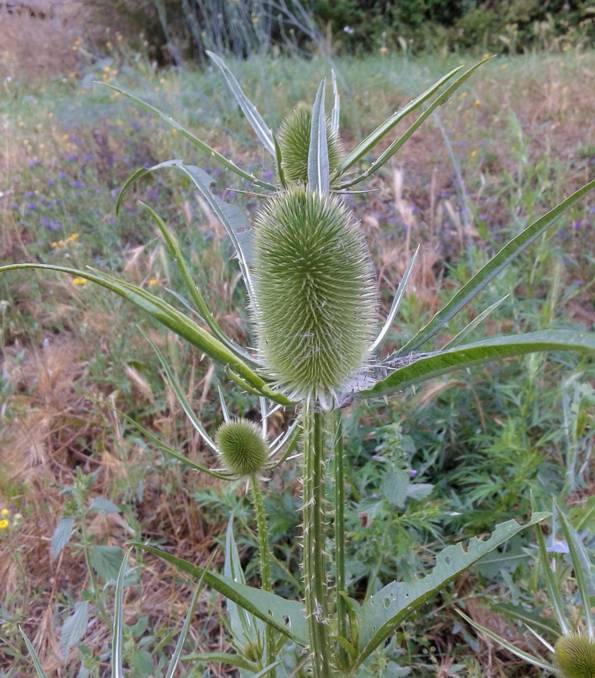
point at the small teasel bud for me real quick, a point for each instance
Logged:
(294, 142)
(243, 449)
(575, 656)
(315, 294)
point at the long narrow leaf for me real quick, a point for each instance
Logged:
(168, 316)
(32, 653)
(469, 327)
(117, 659)
(506, 644)
(248, 108)
(396, 301)
(318, 163)
(382, 130)
(581, 567)
(487, 273)
(286, 616)
(552, 586)
(198, 143)
(336, 114)
(419, 367)
(385, 610)
(396, 145)
(174, 251)
(222, 658)
(526, 617)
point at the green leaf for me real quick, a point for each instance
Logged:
(198, 143)
(422, 366)
(103, 505)
(222, 658)
(382, 130)
(527, 617)
(61, 536)
(531, 659)
(248, 108)
(396, 145)
(168, 316)
(336, 113)
(287, 616)
(106, 560)
(34, 656)
(318, 163)
(495, 265)
(580, 565)
(552, 585)
(75, 627)
(385, 610)
(117, 660)
(279, 163)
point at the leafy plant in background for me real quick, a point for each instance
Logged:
(310, 286)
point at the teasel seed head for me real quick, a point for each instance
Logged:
(294, 142)
(242, 447)
(575, 656)
(315, 293)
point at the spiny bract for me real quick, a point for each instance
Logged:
(575, 656)
(294, 142)
(315, 299)
(242, 447)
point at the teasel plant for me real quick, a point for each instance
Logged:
(310, 288)
(565, 639)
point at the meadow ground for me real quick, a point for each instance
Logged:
(511, 144)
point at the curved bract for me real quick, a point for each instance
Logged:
(314, 292)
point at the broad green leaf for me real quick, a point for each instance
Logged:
(419, 367)
(198, 143)
(396, 301)
(382, 130)
(174, 251)
(106, 560)
(580, 565)
(318, 164)
(385, 610)
(117, 660)
(552, 585)
(61, 536)
(248, 108)
(222, 658)
(75, 627)
(103, 505)
(34, 656)
(287, 616)
(168, 316)
(170, 452)
(530, 658)
(487, 273)
(396, 145)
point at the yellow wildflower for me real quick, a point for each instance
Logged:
(151, 282)
(4, 512)
(4, 524)
(79, 281)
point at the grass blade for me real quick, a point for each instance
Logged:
(336, 114)
(168, 316)
(396, 301)
(382, 130)
(32, 653)
(495, 265)
(428, 366)
(248, 108)
(474, 323)
(531, 659)
(117, 660)
(552, 585)
(318, 164)
(198, 143)
(580, 565)
(222, 658)
(396, 145)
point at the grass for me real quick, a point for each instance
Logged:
(478, 450)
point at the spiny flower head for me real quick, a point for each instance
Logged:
(575, 656)
(314, 289)
(243, 449)
(294, 142)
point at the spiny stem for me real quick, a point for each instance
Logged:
(339, 529)
(265, 568)
(315, 588)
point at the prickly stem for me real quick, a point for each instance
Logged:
(315, 587)
(339, 501)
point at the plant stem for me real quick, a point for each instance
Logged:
(339, 529)
(265, 568)
(315, 588)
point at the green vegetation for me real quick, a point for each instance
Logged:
(458, 455)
